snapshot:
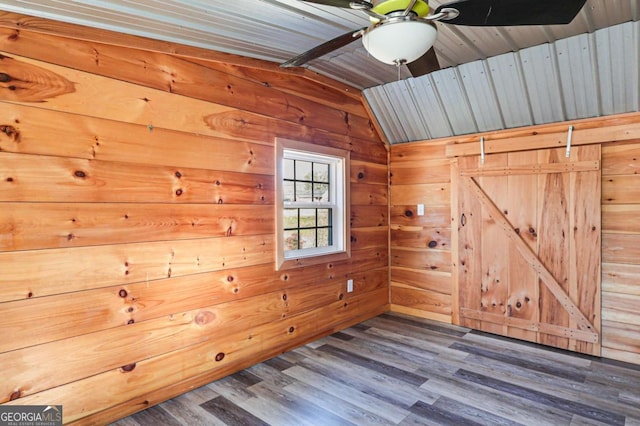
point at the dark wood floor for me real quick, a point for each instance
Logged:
(395, 370)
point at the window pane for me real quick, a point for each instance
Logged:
(290, 218)
(307, 238)
(321, 192)
(307, 218)
(288, 191)
(290, 240)
(303, 170)
(303, 191)
(324, 217)
(288, 169)
(324, 239)
(320, 172)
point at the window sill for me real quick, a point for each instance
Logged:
(311, 260)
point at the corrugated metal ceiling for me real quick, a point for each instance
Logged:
(276, 30)
(492, 78)
(583, 76)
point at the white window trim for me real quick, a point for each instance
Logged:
(341, 214)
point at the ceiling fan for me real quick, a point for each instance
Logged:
(402, 32)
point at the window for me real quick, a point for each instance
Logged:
(312, 208)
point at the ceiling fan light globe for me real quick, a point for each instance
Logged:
(398, 42)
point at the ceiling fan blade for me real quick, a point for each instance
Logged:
(490, 13)
(425, 64)
(342, 3)
(323, 49)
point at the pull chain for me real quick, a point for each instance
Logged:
(399, 63)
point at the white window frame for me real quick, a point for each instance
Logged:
(339, 161)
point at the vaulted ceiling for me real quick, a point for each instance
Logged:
(587, 75)
(485, 70)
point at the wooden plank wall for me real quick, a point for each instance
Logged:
(137, 217)
(421, 268)
(621, 251)
(421, 282)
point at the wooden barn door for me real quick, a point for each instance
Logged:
(528, 245)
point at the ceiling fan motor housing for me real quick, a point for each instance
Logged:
(421, 7)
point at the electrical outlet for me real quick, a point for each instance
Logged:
(349, 285)
(420, 209)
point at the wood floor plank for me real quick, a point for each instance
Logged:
(278, 363)
(497, 403)
(369, 403)
(338, 406)
(230, 413)
(562, 386)
(292, 357)
(365, 360)
(197, 396)
(231, 389)
(412, 336)
(438, 415)
(246, 378)
(574, 374)
(361, 327)
(273, 376)
(127, 421)
(390, 346)
(449, 412)
(468, 414)
(623, 378)
(384, 388)
(270, 413)
(630, 398)
(187, 413)
(416, 420)
(527, 350)
(382, 350)
(598, 396)
(544, 398)
(155, 416)
(443, 328)
(342, 336)
(583, 421)
(534, 379)
(400, 370)
(300, 411)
